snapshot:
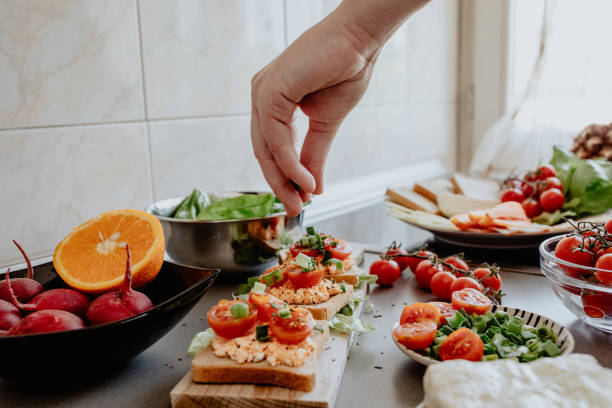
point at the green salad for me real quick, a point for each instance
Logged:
(219, 207)
(503, 336)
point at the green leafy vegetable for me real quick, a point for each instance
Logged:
(191, 206)
(587, 184)
(367, 278)
(350, 324)
(200, 342)
(236, 208)
(239, 310)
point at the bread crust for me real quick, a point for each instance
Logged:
(328, 309)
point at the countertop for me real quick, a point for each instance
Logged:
(146, 380)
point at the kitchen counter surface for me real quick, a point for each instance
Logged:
(146, 380)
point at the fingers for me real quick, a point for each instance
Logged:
(273, 174)
(315, 149)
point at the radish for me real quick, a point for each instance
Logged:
(120, 304)
(9, 315)
(25, 288)
(45, 321)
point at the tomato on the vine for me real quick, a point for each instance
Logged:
(387, 270)
(551, 182)
(546, 171)
(531, 207)
(512, 194)
(397, 253)
(528, 189)
(457, 263)
(552, 200)
(486, 277)
(609, 226)
(465, 282)
(414, 262)
(597, 304)
(574, 249)
(604, 262)
(425, 271)
(440, 284)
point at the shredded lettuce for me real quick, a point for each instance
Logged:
(367, 278)
(547, 218)
(191, 206)
(350, 324)
(587, 183)
(235, 208)
(200, 342)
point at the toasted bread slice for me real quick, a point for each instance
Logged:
(476, 187)
(328, 309)
(208, 368)
(431, 189)
(454, 204)
(412, 200)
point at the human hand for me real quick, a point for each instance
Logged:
(325, 72)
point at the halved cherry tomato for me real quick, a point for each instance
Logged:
(387, 270)
(302, 279)
(446, 310)
(575, 250)
(486, 278)
(293, 329)
(225, 325)
(413, 262)
(296, 249)
(420, 312)
(339, 249)
(465, 282)
(604, 262)
(425, 271)
(462, 344)
(441, 283)
(471, 300)
(271, 270)
(266, 306)
(457, 263)
(417, 335)
(398, 256)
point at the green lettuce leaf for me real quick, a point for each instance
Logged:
(200, 342)
(587, 183)
(236, 208)
(192, 205)
(350, 324)
(547, 218)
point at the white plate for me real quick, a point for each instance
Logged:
(564, 337)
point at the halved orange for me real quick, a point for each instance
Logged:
(92, 257)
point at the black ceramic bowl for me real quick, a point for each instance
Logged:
(93, 349)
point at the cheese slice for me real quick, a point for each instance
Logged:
(454, 204)
(574, 380)
(476, 187)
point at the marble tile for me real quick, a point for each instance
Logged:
(199, 56)
(419, 63)
(54, 179)
(69, 62)
(213, 154)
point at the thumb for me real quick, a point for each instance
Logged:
(316, 147)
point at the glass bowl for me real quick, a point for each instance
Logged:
(587, 299)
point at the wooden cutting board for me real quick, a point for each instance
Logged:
(187, 394)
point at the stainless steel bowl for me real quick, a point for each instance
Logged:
(241, 247)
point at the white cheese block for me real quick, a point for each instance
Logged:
(453, 204)
(574, 380)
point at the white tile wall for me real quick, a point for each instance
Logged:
(54, 179)
(163, 88)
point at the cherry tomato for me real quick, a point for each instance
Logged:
(530, 176)
(532, 208)
(293, 329)
(528, 189)
(512, 194)
(263, 304)
(569, 250)
(486, 278)
(609, 226)
(597, 304)
(602, 251)
(387, 270)
(457, 263)
(420, 312)
(339, 249)
(546, 171)
(446, 310)
(396, 253)
(417, 335)
(272, 270)
(296, 249)
(441, 283)
(414, 262)
(552, 200)
(425, 271)
(471, 300)
(604, 262)
(462, 344)
(465, 282)
(302, 279)
(225, 325)
(513, 183)
(551, 182)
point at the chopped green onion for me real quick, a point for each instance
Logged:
(304, 241)
(284, 313)
(551, 348)
(318, 329)
(490, 357)
(310, 230)
(244, 288)
(259, 288)
(500, 315)
(456, 320)
(251, 281)
(239, 310)
(261, 333)
(339, 264)
(515, 328)
(305, 262)
(272, 277)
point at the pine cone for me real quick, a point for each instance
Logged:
(594, 141)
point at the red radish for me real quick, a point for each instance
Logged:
(45, 321)
(25, 288)
(120, 304)
(68, 300)
(9, 315)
